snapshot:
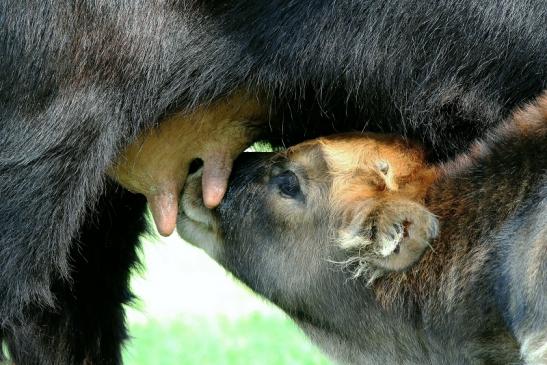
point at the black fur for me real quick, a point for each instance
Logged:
(79, 79)
(87, 322)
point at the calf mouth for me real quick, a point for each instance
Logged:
(200, 225)
(197, 224)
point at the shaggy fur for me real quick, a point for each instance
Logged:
(80, 79)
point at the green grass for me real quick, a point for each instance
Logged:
(254, 339)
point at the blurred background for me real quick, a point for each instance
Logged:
(191, 311)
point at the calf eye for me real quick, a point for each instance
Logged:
(287, 183)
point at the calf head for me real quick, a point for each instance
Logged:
(291, 219)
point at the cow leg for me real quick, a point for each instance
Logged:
(88, 323)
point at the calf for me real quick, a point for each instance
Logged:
(336, 232)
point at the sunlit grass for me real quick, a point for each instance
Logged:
(255, 339)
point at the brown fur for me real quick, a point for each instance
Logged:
(378, 184)
(445, 200)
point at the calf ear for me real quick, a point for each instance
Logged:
(389, 235)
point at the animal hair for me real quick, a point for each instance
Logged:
(79, 80)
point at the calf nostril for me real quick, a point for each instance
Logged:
(195, 165)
